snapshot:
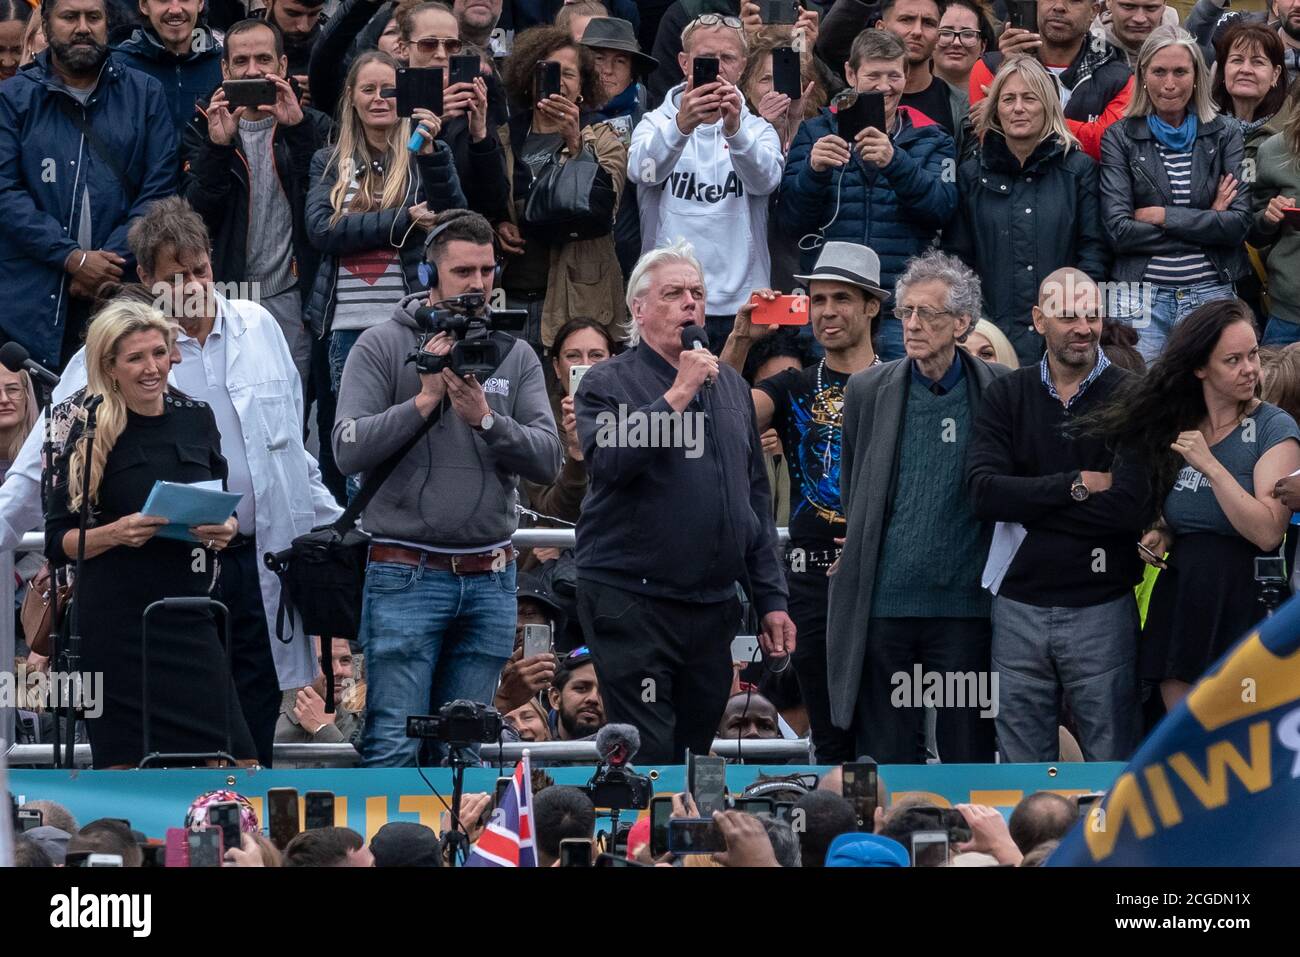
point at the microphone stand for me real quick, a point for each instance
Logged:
(45, 397)
(91, 405)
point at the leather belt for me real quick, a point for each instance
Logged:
(478, 563)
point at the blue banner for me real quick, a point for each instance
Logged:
(1218, 782)
(366, 799)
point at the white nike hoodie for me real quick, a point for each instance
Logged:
(711, 190)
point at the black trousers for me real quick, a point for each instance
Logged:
(250, 657)
(808, 600)
(319, 389)
(664, 666)
(896, 735)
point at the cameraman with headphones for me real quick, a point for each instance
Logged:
(438, 615)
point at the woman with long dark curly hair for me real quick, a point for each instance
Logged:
(1216, 451)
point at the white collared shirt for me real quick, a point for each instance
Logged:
(202, 375)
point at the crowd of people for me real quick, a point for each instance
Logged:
(1034, 426)
(818, 827)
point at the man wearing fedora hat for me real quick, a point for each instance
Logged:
(905, 600)
(622, 68)
(806, 407)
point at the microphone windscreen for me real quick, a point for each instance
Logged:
(694, 337)
(613, 737)
(13, 355)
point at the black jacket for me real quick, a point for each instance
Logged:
(683, 522)
(1040, 217)
(1133, 176)
(215, 181)
(435, 181)
(1020, 465)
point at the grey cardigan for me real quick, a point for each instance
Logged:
(1133, 176)
(875, 403)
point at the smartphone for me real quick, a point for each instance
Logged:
(226, 816)
(1086, 801)
(857, 112)
(661, 810)
(1270, 568)
(546, 80)
(152, 855)
(778, 12)
(613, 860)
(254, 93)
(786, 77)
(946, 819)
(781, 311)
(464, 68)
(178, 848)
(694, 835)
(575, 377)
(419, 90)
(860, 783)
(576, 852)
(537, 640)
(754, 805)
(103, 860)
(929, 848)
(1023, 15)
(282, 815)
(1157, 560)
(318, 810)
(206, 847)
(29, 819)
(745, 648)
(706, 779)
(704, 70)
(1291, 216)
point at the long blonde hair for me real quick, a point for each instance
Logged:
(352, 155)
(1201, 103)
(15, 442)
(1043, 85)
(119, 319)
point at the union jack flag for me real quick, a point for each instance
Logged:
(508, 839)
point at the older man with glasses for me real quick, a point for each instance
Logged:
(905, 597)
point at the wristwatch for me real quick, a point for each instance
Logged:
(1078, 491)
(486, 423)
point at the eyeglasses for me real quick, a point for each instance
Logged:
(967, 38)
(433, 44)
(924, 313)
(714, 19)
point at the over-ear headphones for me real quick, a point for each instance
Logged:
(428, 270)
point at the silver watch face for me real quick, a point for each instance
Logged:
(1079, 491)
(487, 422)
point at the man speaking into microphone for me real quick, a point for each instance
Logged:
(677, 513)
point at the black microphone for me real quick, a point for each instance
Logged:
(617, 744)
(17, 359)
(694, 337)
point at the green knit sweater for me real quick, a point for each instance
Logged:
(934, 548)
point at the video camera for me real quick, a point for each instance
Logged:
(484, 336)
(615, 785)
(458, 724)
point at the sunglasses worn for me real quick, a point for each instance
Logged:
(432, 44)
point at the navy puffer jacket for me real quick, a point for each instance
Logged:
(896, 211)
(435, 181)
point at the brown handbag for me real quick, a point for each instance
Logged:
(37, 613)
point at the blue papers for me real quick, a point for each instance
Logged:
(202, 503)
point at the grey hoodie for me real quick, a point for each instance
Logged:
(455, 490)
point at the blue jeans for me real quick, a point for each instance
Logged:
(341, 343)
(1280, 332)
(1157, 309)
(889, 340)
(429, 637)
(1086, 657)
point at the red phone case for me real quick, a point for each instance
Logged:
(782, 311)
(178, 848)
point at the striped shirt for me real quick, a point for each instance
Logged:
(370, 282)
(1185, 264)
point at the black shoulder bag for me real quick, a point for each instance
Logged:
(570, 201)
(323, 573)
